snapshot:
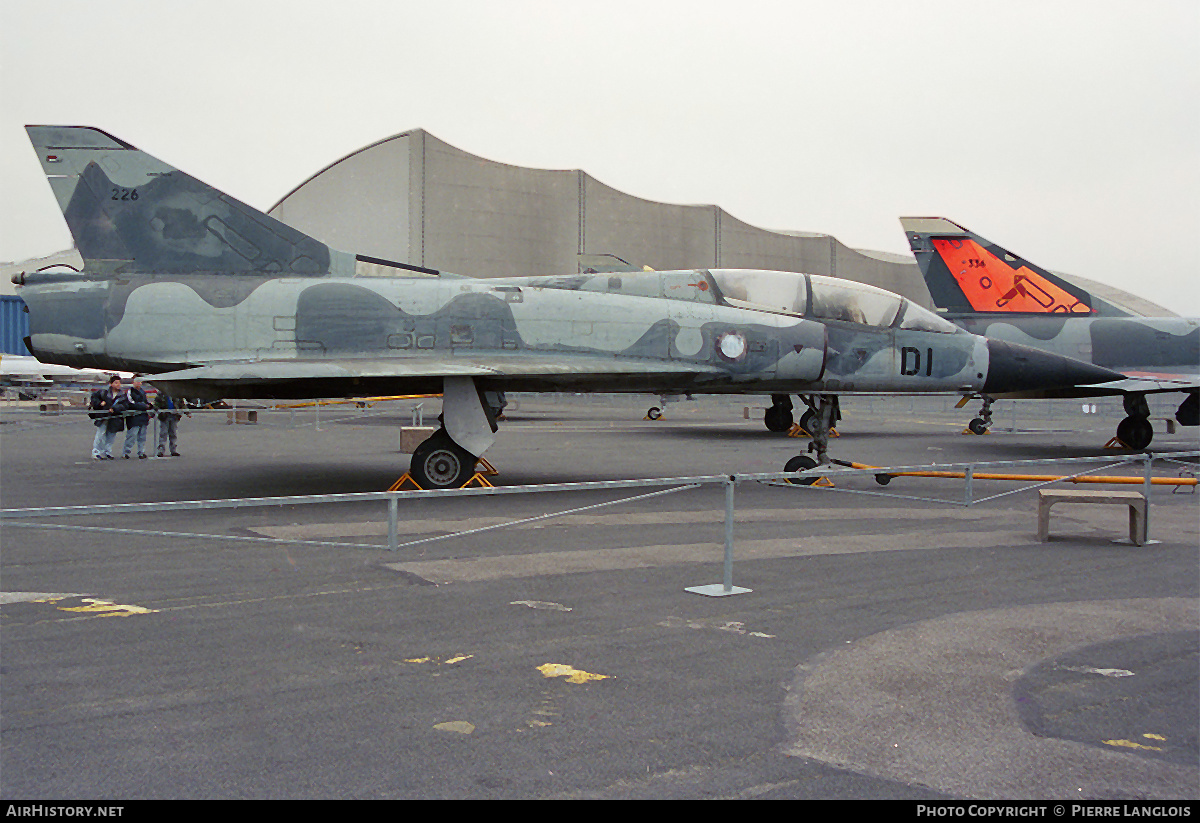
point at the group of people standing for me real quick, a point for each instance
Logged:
(114, 409)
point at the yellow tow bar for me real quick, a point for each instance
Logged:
(885, 477)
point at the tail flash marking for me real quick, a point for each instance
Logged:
(991, 285)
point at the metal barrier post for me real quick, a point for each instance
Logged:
(1147, 464)
(968, 475)
(726, 588)
(393, 529)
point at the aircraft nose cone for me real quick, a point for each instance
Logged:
(1013, 368)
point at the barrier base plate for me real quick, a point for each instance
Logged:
(717, 590)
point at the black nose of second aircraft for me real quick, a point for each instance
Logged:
(1016, 368)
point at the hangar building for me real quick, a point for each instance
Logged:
(415, 199)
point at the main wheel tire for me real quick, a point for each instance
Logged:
(1135, 432)
(778, 419)
(799, 463)
(440, 463)
(806, 420)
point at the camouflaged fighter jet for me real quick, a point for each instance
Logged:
(215, 299)
(989, 291)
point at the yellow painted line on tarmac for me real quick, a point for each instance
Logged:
(87, 613)
(1129, 744)
(102, 608)
(457, 726)
(569, 673)
(450, 661)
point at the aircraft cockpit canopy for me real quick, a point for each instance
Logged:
(779, 292)
(823, 298)
(836, 299)
(921, 319)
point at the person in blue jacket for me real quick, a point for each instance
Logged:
(135, 405)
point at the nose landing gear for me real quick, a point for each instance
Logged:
(823, 412)
(981, 424)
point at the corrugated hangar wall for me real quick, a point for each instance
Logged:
(415, 199)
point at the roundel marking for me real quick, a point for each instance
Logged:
(731, 345)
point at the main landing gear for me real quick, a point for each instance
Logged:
(447, 458)
(778, 417)
(440, 463)
(1135, 431)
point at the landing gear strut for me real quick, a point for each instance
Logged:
(822, 415)
(446, 460)
(983, 422)
(1188, 413)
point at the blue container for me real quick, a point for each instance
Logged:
(14, 325)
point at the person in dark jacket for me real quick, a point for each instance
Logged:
(108, 422)
(135, 405)
(170, 410)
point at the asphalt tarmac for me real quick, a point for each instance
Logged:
(890, 647)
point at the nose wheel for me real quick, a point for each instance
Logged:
(801, 463)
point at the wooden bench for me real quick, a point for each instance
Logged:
(1136, 501)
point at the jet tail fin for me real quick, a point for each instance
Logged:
(130, 212)
(967, 274)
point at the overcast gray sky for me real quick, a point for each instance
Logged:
(1066, 130)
